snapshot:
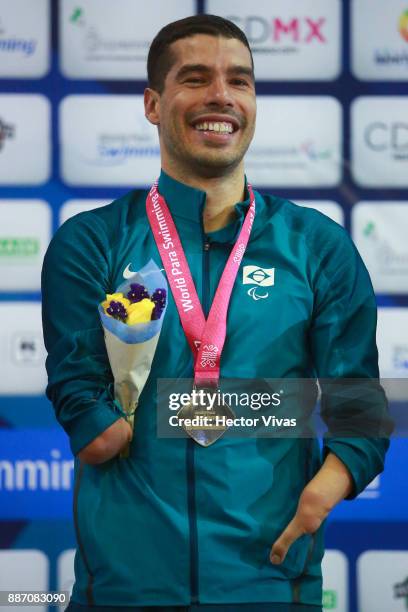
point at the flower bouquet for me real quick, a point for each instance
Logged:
(132, 318)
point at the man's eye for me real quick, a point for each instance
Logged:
(241, 82)
(194, 80)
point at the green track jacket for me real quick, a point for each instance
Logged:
(177, 523)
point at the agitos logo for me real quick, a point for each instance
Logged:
(403, 25)
(304, 30)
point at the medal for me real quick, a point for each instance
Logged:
(206, 338)
(204, 417)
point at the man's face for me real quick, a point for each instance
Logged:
(206, 112)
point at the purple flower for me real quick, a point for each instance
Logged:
(159, 297)
(157, 312)
(117, 311)
(137, 293)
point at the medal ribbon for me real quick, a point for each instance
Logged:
(205, 337)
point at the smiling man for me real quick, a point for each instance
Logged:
(202, 98)
(184, 524)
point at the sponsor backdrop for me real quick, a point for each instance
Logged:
(332, 133)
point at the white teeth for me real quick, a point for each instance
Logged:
(217, 126)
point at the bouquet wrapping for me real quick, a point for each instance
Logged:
(132, 319)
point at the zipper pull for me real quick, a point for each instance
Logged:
(206, 246)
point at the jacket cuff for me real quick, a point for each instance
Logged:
(89, 425)
(363, 457)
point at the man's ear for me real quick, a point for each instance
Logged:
(152, 105)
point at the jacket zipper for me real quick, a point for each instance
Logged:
(191, 451)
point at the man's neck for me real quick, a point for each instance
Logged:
(222, 193)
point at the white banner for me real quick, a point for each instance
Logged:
(25, 139)
(22, 350)
(380, 141)
(24, 38)
(297, 143)
(107, 140)
(382, 579)
(25, 232)
(392, 342)
(290, 40)
(74, 207)
(379, 230)
(335, 581)
(110, 40)
(24, 570)
(380, 40)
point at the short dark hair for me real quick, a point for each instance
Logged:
(161, 59)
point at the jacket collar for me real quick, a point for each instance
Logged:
(187, 203)
(183, 201)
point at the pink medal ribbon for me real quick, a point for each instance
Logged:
(205, 337)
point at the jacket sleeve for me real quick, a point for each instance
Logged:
(343, 345)
(74, 281)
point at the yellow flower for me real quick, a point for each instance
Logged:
(115, 297)
(140, 312)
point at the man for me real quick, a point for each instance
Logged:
(236, 525)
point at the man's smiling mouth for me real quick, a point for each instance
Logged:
(215, 126)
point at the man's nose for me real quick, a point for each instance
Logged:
(219, 92)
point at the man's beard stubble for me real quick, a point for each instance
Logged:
(214, 162)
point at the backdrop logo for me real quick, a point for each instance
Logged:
(403, 25)
(369, 230)
(395, 56)
(98, 47)
(296, 156)
(11, 44)
(77, 16)
(313, 152)
(290, 40)
(304, 30)
(401, 591)
(390, 138)
(294, 32)
(379, 40)
(387, 259)
(46, 474)
(21, 247)
(26, 348)
(380, 141)
(7, 132)
(36, 474)
(330, 599)
(117, 149)
(400, 358)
